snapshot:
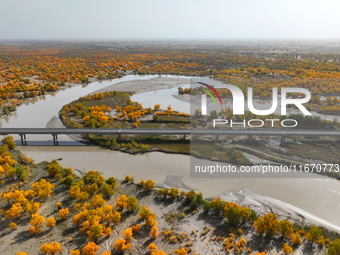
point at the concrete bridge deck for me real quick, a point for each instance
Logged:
(135, 131)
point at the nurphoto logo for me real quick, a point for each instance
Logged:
(238, 102)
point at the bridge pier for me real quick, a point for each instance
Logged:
(283, 140)
(87, 138)
(184, 137)
(55, 139)
(23, 139)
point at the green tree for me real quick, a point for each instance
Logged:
(232, 214)
(54, 168)
(334, 247)
(314, 234)
(132, 203)
(107, 190)
(286, 228)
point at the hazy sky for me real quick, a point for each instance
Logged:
(169, 19)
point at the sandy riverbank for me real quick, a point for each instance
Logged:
(265, 204)
(317, 196)
(140, 86)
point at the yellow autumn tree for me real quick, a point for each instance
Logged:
(154, 232)
(90, 249)
(268, 224)
(160, 253)
(75, 252)
(122, 202)
(63, 213)
(14, 211)
(51, 248)
(113, 216)
(152, 247)
(121, 245)
(295, 238)
(98, 201)
(32, 207)
(95, 231)
(135, 228)
(36, 222)
(132, 203)
(12, 225)
(42, 188)
(150, 221)
(145, 212)
(127, 234)
(286, 228)
(181, 251)
(50, 222)
(287, 249)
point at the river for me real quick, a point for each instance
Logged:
(318, 196)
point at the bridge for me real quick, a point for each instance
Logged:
(135, 131)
